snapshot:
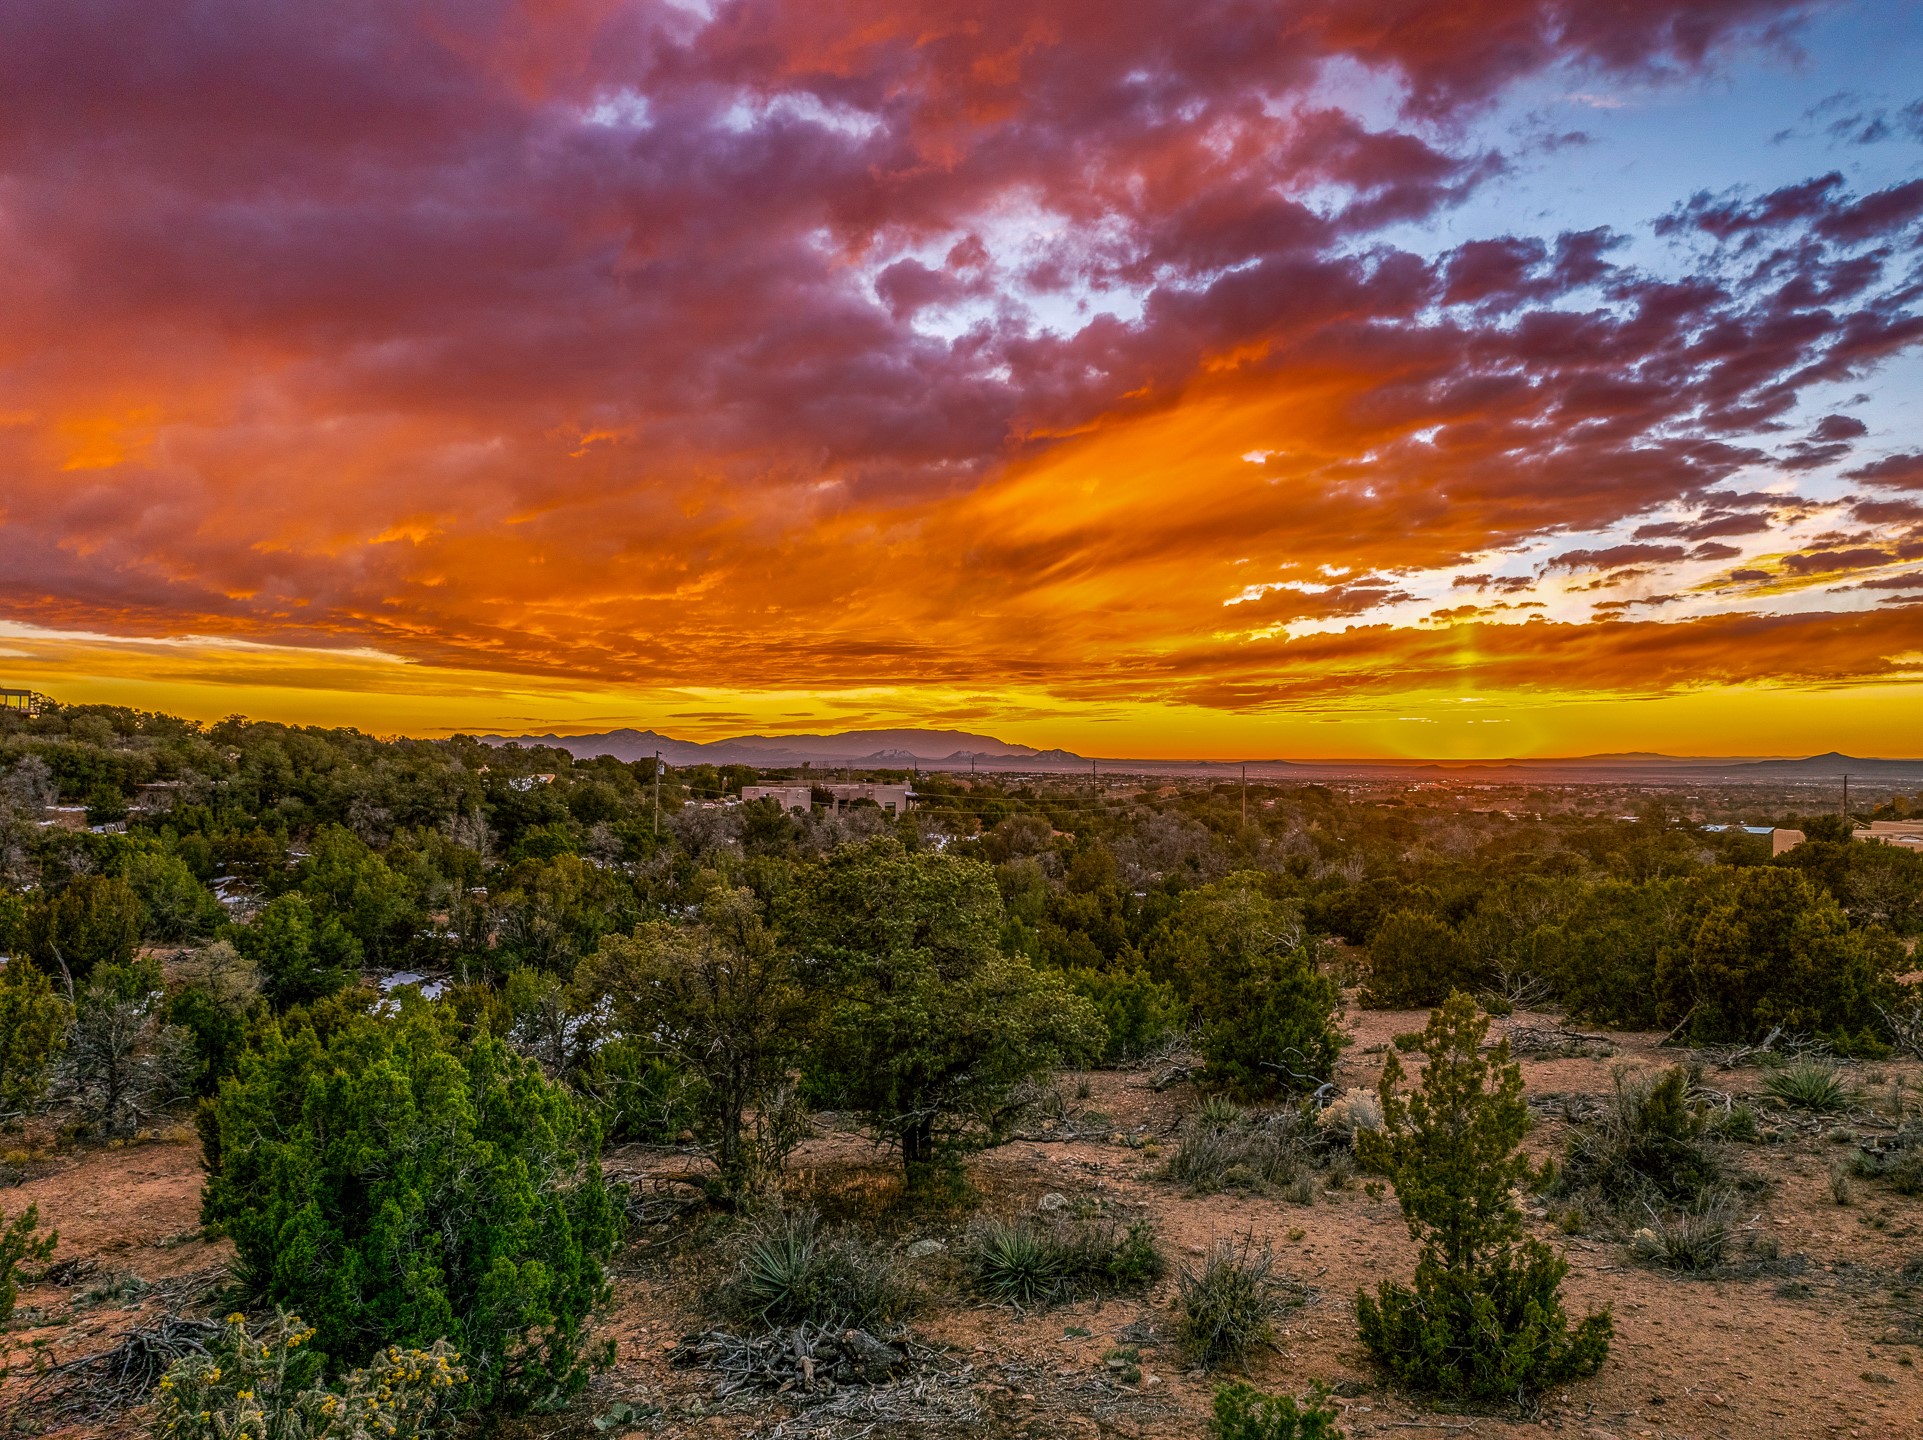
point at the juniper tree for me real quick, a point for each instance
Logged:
(1248, 965)
(1484, 1318)
(718, 999)
(33, 1031)
(124, 1061)
(397, 1185)
(930, 1029)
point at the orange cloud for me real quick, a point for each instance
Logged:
(1023, 360)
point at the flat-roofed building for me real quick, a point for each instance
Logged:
(1906, 834)
(895, 799)
(789, 797)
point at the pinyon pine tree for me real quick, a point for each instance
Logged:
(1485, 1318)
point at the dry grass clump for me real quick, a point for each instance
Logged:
(1224, 1147)
(1227, 1305)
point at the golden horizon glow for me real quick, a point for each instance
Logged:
(383, 695)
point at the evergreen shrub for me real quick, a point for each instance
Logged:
(398, 1186)
(1244, 1413)
(1414, 959)
(1484, 1319)
(33, 1032)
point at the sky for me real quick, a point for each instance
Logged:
(1205, 379)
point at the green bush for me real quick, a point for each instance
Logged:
(1227, 1305)
(176, 906)
(302, 955)
(1249, 967)
(720, 1001)
(1244, 1413)
(33, 1033)
(1766, 948)
(95, 920)
(1485, 1318)
(216, 1037)
(398, 1186)
(1141, 1013)
(18, 1243)
(346, 880)
(1734, 1122)
(1414, 959)
(1038, 1261)
(268, 1387)
(793, 1270)
(639, 1097)
(1270, 1030)
(217, 992)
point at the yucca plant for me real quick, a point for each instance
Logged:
(1016, 1263)
(1809, 1085)
(1037, 1262)
(792, 1271)
(1689, 1242)
(1219, 1112)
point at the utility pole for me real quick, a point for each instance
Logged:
(657, 794)
(1846, 804)
(1245, 796)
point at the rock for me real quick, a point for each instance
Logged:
(1051, 1202)
(922, 1249)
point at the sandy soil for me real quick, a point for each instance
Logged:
(1823, 1340)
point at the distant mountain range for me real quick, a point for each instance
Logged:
(964, 750)
(865, 749)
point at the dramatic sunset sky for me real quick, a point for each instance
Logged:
(1150, 377)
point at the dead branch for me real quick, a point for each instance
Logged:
(95, 1387)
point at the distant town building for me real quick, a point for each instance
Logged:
(1907, 834)
(1779, 838)
(157, 794)
(895, 799)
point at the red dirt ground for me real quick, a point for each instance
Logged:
(1824, 1341)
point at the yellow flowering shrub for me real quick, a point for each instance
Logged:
(267, 1387)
